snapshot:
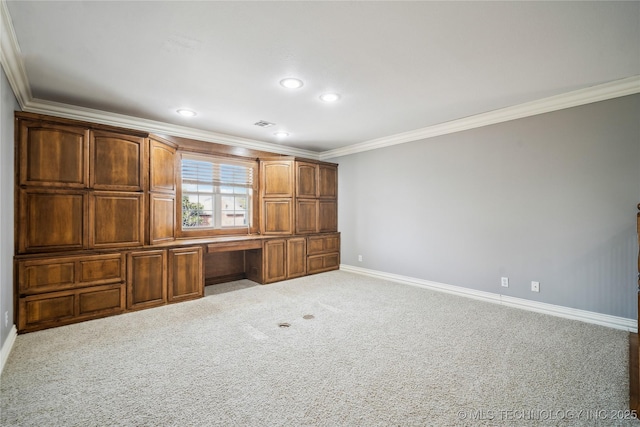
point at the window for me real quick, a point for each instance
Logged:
(216, 193)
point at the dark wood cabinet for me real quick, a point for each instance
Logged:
(162, 167)
(275, 260)
(306, 180)
(52, 220)
(306, 216)
(327, 216)
(116, 162)
(323, 253)
(316, 202)
(116, 219)
(276, 178)
(53, 155)
(162, 217)
(186, 274)
(328, 181)
(296, 257)
(146, 279)
(277, 216)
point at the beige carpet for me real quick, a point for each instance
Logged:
(357, 352)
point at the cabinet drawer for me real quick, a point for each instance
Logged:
(61, 273)
(323, 244)
(320, 263)
(61, 308)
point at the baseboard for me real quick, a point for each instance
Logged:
(615, 322)
(7, 346)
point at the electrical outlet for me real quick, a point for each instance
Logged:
(505, 282)
(360, 258)
(535, 286)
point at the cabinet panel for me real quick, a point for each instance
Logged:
(60, 273)
(276, 178)
(306, 179)
(323, 244)
(306, 216)
(146, 279)
(327, 216)
(101, 300)
(296, 257)
(185, 274)
(277, 216)
(162, 215)
(46, 309)
(51, 220)
(116, 219)
(53, 155)
(162, 172)
(117, 161)
(275, 258)
(328, 181)
(325, 262)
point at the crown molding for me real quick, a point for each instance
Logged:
(10, 57)
(602, 92)
(58, 109)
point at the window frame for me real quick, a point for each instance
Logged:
(227, 231)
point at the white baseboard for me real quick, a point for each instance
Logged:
(615, 322)
(7, 346)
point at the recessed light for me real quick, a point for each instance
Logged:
(329, 97)
(186, 113)
(281, 134)
(291, 83)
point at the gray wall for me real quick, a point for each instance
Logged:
(8, 105)
(550, 198)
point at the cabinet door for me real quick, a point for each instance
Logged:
(328, 181)
(117, 161)
(275, 259)
(185, 274)
(306, 180)
(52, 220)
(146, 279)
(296, 257)
(327, 216)
(162, 167)
(53, 155)
(306, 216)
(277, 216)
(116, 219)
(162, 217)
(276, 178)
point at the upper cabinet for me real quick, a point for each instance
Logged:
(276, 178)
(316, 197)
(162, 167)
(328, 181)
(53, 155)
(117, 161)
(306, 179)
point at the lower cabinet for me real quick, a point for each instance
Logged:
(186, 274)
(284, 259)
(51, 309)
(323, 253)
(146, 279)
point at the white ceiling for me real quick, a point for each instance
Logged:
(399, 66)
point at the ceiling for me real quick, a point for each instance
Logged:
(398, 66)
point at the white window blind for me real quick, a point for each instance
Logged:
(217, 173)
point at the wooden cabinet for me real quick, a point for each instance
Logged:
(146, 279)
(162, 167)
(323, 253)
(296, 257)
(60, 290)
(186, 274)
(275, 260)
(277, 216)
(61, 273)
(117, 161)
(162, 217)
(60, 308)
(117, 219)
(316, 203)
(53, 155)
(276, 178)
(52, 220)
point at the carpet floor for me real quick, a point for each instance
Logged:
(333, 349)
